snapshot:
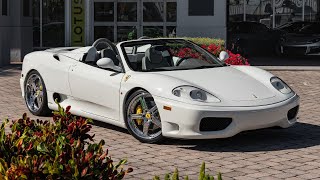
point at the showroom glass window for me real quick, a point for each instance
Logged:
(126, 33)
(127, 11)
(130, 19)
(153, 11)
(48, 27)
(53, 25)
(284, 11)
(104, 11)
(159, 18)
(171, 11)
(36, 23)
(201, 8)
(104, 20)
(103, 32)
(127, 16)
(4, 5)
(26, 8)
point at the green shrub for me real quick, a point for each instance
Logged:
(202, 175)
(205, 41)
(59, 150)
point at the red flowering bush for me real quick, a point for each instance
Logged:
(59, 150)
(234, 59)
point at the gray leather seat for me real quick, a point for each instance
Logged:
(108, 53)
(154, 59)
(91, 55)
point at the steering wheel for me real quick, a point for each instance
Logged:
(104, 43)
(181, 60)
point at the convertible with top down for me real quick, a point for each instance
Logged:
(153, 88)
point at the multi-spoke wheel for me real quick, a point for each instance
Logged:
(143, 118)
(36, 94)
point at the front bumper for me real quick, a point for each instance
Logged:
(183, 121)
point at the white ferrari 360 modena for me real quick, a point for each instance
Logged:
(149, 88)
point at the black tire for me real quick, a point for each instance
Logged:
(43, 109)
(131, 131)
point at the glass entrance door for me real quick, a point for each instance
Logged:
(120, 20)
(48, 23)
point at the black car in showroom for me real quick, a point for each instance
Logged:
(252, 38)
(300, 38)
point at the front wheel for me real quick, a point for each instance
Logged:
(143, 118)
(36, 94)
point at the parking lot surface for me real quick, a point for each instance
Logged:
(292, 153)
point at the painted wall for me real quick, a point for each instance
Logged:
(202, 26)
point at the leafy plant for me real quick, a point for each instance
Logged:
(59, 150)
(202, 175)
(234, 59)
(206, 41)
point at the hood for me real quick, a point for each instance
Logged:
(225, 82)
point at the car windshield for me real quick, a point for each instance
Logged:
(167, 55)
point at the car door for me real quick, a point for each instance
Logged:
(97, 89)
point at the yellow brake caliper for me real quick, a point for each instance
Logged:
(40, 89)
(139, 111)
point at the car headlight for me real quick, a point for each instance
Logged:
(280, 85)
(192, 93)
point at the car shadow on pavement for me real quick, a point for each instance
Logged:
(109, 126)
(301, 135)
(11, 70)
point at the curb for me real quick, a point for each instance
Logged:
(290, 68)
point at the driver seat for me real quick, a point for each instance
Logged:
(91, 56)
(154, 59)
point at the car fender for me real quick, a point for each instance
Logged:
(53, 72)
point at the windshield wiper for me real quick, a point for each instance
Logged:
(207, 66)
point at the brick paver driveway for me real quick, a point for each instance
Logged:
(292, 153)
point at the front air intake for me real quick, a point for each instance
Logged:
(214, 123)
(292, 113)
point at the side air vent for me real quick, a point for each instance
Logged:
(57, 97)
(56, 57)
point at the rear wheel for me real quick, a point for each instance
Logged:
(143, 118)
(36, 94)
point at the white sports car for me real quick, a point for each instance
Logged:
(157, 88)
